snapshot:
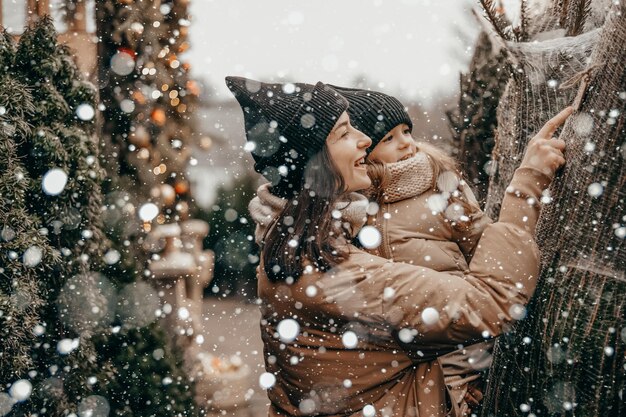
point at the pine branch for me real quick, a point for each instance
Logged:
(496, 20)
(582, 10)
(7, 49)
(523, 21)
(564, 8)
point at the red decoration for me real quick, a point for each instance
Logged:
(181, 187)
(128, 51)
(139, 97)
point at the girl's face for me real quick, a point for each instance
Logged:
(396, 145)
(346, 147)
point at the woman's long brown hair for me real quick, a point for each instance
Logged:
(440, 162)
(307, 221)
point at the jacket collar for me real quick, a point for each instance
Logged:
(408, 178)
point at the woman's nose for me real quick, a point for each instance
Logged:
(365, 141)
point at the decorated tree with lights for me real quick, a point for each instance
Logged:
(147, 99)
(75, 336)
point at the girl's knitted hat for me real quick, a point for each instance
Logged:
(286, 124)
(374, 113)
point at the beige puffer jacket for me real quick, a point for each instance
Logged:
(412, 233)
(335, 342)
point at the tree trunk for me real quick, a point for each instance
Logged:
(567, 357)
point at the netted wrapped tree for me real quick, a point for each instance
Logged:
(566, 357)
(544, 62)
(65, 347)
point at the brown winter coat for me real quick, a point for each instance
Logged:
(382, 301)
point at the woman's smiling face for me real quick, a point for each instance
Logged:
(396, 145)
(346, 146)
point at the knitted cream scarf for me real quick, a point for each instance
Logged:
(408, 178)
(266, 206)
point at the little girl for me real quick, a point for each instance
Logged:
(426, 216)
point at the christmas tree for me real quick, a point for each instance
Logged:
(147, 99)
(232, 238)
(474, 121)
(567, 355)
(77, 334)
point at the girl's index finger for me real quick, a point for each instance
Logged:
(553, 124)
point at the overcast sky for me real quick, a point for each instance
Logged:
(413, 48)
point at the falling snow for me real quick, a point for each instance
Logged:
(130, 257)
(54, 181)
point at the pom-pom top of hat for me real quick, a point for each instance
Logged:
(286, 124)
(374, 113)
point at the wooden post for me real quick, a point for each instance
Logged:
(35, 9)
(78, 18)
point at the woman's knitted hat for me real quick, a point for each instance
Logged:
(374, 113)
(286, 124)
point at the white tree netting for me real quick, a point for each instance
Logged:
(544, 83)
(567, 357)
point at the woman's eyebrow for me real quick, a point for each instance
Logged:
(340, 125)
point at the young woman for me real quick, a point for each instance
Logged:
(427, 216)
(335, 318)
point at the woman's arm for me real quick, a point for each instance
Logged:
(436, 307)
(504, 269)
(502, 277)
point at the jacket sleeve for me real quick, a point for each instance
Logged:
(468, 238)
(436, 307)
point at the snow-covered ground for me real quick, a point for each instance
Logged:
(231, 327)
